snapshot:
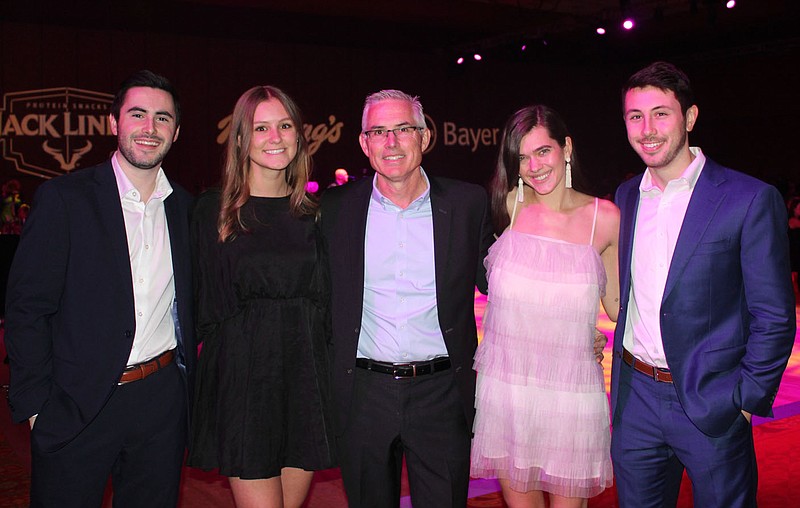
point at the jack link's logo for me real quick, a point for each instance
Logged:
(315, 134)
(54, 131)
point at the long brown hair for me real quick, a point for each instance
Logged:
(507, 169)
(235, 184)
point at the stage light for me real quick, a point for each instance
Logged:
(460, 60)
(601, 30)
(627, 24)
(730, 4)
(524, 47)
(477, 57)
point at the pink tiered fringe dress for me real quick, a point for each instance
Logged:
(542, 413)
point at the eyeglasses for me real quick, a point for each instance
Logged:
(399, 132)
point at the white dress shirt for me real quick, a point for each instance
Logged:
(151, 265)
(658, 224)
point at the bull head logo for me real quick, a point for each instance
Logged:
(67, 165)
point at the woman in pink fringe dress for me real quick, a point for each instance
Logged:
(542, 423)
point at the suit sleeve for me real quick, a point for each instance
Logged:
(36, 282)
(770, 301)
(486, 239)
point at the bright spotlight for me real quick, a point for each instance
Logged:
(627, 24)
(601, 30)
(730, 4)
(460, 60)
(477, 57)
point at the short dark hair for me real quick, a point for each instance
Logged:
(665, 77)
(147, 79)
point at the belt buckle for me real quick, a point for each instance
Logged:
(655, 374)
(396, 370)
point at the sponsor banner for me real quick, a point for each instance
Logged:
(53, 131)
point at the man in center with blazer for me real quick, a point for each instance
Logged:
(707, 318)
(406, 251)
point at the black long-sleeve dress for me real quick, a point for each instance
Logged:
(261, 396)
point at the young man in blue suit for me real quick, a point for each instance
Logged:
(98, 320)
(707, 317)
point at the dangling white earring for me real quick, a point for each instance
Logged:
(568, 175)
(520, 190)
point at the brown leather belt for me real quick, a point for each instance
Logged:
(144, 369)
(660, 375)
(399, 370)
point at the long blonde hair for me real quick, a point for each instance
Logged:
(235, 183)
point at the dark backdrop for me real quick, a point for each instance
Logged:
(747, 95)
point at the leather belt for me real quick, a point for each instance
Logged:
(658, 374)
(398, 370)
(144, 369)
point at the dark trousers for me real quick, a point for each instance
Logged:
(420, 418)
(138, 439)
(652, 434)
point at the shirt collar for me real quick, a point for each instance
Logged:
(688, 177)
(415, 205)
(128, 191)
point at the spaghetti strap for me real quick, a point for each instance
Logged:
(594, 220)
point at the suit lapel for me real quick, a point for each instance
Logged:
(705, 201)
(177, 240)
(629, 205)
(110, 209)
(442, 211)
(354, 218)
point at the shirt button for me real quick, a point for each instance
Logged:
(401, 274)
(402, 245)
(141, 281)
(147, 246)
(139, 313)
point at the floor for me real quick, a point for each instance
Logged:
(207, 490)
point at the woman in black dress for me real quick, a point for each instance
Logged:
(261, 400)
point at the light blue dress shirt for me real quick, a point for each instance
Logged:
(400, 320)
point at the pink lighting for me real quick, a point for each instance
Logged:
(524, 47)
(627, 24)
(477, 57)
(601, 31)
(460, 60)
(730, 4)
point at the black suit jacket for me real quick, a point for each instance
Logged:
(70, 313)
(462, 234)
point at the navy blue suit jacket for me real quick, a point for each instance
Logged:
(462, 234)
(70, 313)
(728, 309)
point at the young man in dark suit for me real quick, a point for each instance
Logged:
(707, 318)
(99, 327)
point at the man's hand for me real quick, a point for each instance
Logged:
(600, 341)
